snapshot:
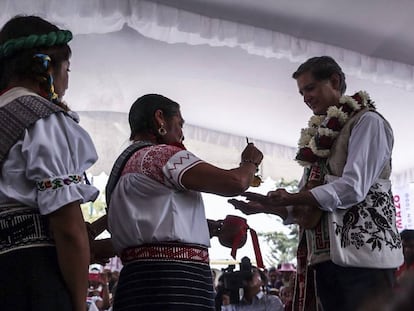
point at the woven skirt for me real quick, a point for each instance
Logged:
(164, 284)
(30, 279)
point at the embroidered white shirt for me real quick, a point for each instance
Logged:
(149, 203)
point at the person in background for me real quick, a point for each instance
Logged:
(254, 298)
(273, 277)
(44, 249)
(156, 214)
(286, 295)
(349, 239)
(287, 271)
(98, 291)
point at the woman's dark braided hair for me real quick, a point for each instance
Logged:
(29, 48)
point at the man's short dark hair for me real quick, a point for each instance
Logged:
(322, 68)
(407, 234)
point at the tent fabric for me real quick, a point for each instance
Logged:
(172, 25)
(199, 140)
(125, 48)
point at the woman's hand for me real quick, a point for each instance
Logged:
(251, 154)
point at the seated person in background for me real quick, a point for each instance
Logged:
(98, 291)
(254, 299)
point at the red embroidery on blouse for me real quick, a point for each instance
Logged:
(150, 161)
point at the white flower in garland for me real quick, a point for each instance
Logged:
(317, 139)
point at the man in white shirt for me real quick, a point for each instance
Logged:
(351, 244)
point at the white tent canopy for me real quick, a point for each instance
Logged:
(229, 64)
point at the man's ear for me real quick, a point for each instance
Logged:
(335, 81)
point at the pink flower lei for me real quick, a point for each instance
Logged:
(317, 139)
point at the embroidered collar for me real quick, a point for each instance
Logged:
(317, 139)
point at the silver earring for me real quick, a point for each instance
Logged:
(162, 131)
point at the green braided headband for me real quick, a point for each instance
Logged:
(23, 43)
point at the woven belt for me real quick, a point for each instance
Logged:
(21, 227)
(166, 252)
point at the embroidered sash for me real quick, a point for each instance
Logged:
(21, 227)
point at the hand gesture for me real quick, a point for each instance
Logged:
(252, 154)
(258, 203)
(279, 197)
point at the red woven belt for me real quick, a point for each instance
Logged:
(166, 252)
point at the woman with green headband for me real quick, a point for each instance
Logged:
(44, 249)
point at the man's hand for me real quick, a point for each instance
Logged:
(258, 203)
(248, 208)
(279, 197)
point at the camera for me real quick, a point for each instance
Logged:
(235, 281)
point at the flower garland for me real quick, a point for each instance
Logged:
(317, 139)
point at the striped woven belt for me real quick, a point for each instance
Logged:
(21, 227)
(194, 253)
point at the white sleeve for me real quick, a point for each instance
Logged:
(57, 152)
(177, 165)
(370, 147)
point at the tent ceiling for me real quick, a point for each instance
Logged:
(230, 80)
(380, 29)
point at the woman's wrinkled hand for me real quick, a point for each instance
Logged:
(252, 154)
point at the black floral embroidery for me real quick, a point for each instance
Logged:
(370, 222)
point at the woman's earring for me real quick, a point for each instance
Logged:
(162, 131)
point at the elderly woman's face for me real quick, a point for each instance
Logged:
(174, 129)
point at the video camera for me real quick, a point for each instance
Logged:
(235, 281)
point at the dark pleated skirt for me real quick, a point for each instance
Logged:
(30, 279)
(161, 285)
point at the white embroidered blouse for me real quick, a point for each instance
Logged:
(54, 151)
(149, 204)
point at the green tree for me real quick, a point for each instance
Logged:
(283, 246)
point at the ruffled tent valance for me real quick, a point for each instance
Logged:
(173, 25)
